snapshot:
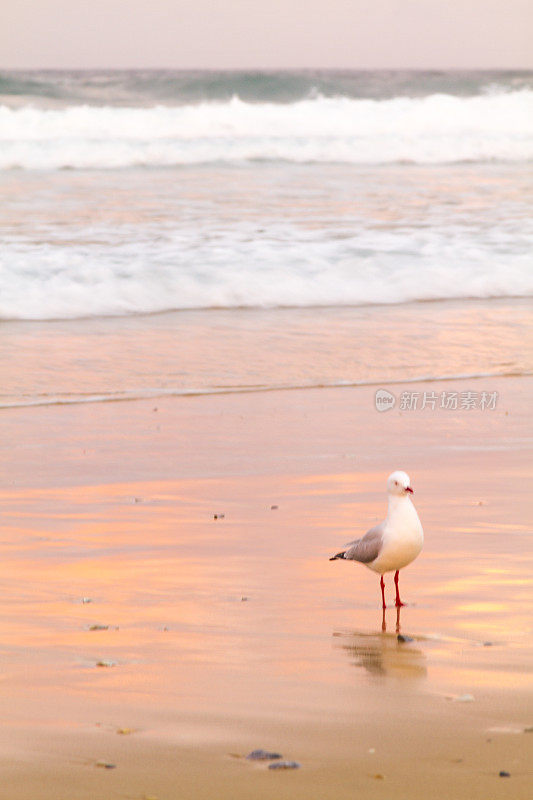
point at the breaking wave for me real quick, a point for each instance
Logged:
(434, 129)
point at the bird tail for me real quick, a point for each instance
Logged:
(339, 555)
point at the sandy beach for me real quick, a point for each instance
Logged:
(220, 636)
(206, 275)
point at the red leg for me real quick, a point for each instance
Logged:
(382, 584)
(399, 603)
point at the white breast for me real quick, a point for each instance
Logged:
(403, 538)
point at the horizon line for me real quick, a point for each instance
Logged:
(269, 69)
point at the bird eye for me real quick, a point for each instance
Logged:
(396, 483)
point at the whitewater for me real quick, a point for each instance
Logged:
(435, 129)
(279, 265)
(128, 193)
(179, 233)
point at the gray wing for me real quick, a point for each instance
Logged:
(367, 548)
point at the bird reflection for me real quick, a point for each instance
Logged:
(384, 621)
(384, 654)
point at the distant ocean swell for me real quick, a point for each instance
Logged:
(434, 129)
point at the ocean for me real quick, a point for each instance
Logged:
(173, 232)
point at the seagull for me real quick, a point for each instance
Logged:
(393, 543)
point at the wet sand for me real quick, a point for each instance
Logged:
(230, 634)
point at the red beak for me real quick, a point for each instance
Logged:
(408, 489)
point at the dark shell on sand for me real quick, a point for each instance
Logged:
(262, 755)
(284, 765)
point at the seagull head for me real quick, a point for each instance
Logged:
(399, 483)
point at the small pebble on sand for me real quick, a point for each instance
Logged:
(86, 600)
(218, 516)
(403, 638)
(105, 765)
(105, 663)
(461, 698)
(98, 627)
(262, 755)
(125, 731)
(284, 765)
(274, 508)
(504, 774)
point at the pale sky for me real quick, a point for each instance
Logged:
(271, 34)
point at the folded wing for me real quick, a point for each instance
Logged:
(367, 548)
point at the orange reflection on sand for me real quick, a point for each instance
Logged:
(245, 611)
(352, 479)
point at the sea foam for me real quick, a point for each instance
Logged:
(434, 129)
(281, 265)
